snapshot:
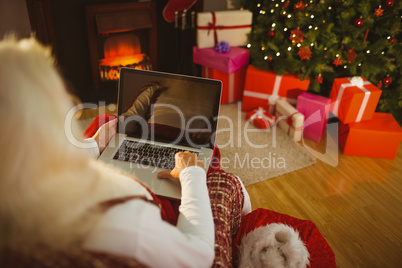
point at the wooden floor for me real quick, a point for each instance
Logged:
(356, 205)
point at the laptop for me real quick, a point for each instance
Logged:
(161, 114)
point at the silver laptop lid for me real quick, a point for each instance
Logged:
(170, 108)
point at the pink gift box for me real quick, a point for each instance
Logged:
(229, 62)
(316, 111)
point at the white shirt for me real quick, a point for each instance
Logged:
(136, 229)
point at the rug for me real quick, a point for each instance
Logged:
(252, 154)
(256, 155)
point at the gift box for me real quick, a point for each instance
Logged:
(231, 26)
(289, 119)
(228, 67)
(378, 137)
(261, 118)
(354, 99)
(232, 84)
(229, 62)
(316, 111)
(264, 88)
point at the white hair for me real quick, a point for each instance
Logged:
(47, 185)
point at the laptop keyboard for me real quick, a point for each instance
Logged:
(147, 154)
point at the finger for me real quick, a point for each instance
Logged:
(166, 174)
(178, 155)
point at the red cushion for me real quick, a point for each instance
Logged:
(321, 254)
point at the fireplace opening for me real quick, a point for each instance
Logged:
(121, 35)
(122, 50)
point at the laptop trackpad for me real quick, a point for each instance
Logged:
(164, 187)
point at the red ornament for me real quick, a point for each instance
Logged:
(319, 79)
(389, 3)
(296, 36)
(351, 55)
(304, 53)
(379, 85)
(387, 80)
(378, 11)
(393, 40)
(337, 62)
(271, 33)
(299, 6)
(359, 22)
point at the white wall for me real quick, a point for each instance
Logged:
(14, 17)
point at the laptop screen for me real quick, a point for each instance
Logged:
(170, 108)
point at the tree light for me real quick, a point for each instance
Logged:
(248, 45)
(289, 48)
(278, 53)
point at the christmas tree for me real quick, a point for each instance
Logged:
(326, 39)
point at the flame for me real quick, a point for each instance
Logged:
(123, 60)
(122, 50)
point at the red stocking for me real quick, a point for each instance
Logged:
(176, 5)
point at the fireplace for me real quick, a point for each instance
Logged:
(121, 35)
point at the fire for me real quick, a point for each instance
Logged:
(122, 51)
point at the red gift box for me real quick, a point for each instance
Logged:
(354, 99)
(264, 88)
(229, 67)
(261, 118)
(378, 137)
(232, 84)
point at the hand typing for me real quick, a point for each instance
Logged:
(182, 160)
